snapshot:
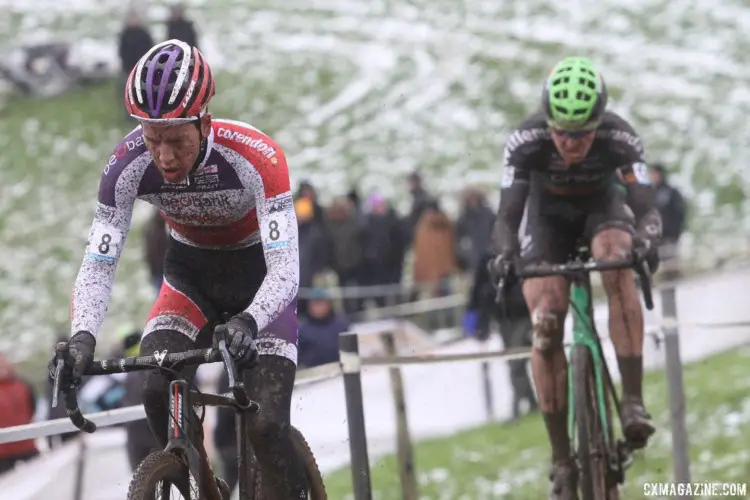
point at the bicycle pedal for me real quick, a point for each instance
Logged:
(625, 455)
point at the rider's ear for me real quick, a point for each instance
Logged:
(205, 125)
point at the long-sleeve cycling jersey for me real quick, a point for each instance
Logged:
(532, 163)
(238, 196)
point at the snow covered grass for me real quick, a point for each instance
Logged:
(511, 460)
(362, 93)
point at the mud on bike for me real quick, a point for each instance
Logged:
(179, 466)
(592, 397)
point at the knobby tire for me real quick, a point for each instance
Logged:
(315, 487)
(159, 466)
(593, 481)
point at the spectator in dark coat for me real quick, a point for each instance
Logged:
(345, 257)
(512, 316)
(319, 332)
(313, 253)
(420, 200)
(181, 28)
(135, 41)
(140, 440)
(384, 245)
(473, 229)
(673, 212)
(307, 190)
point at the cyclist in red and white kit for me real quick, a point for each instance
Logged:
(223, 188)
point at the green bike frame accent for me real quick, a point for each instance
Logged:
(584, 334)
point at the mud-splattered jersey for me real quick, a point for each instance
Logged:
(531, 156)
(238, 196)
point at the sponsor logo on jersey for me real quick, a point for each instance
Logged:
(254, 142)
(577, 178)
(622, 136)
(207, 178)
(121, 150)
(104, 213)
(280, 203)
(196, 201)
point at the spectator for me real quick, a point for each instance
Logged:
(384, 246)
(473, 229)
(356, 203)
(673, 210)
(345, 255)
(312, 248)
(135, 41)
(434, 247)
(420, 199)
(17, 407)
(107, 392)
(140, 439)
(307, 191)
(155, 238)
(319, 332)
(512, 316)
(434, 254)
(181, 28)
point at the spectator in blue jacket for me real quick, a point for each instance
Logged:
(319, 331)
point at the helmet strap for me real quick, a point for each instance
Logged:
(202, 152)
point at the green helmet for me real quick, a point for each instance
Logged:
(574, 95)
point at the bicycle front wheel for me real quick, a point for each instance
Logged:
(592, 452)
(161, 475)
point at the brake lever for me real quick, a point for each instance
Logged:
(237, 387)
(644, 274)
(60, 350)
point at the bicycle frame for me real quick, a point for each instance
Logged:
(181, 400)
(584, 333)
(584, 330)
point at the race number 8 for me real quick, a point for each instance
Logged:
(105, 241)
(104, 244)
(273, 230)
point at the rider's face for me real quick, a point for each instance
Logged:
(573, 147)
(175, 147)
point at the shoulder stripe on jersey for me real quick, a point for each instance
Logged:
(260, 151)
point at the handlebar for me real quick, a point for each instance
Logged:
(63, 374)
(577, 267)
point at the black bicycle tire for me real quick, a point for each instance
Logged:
(315, 486)
(593, 471)
(158, 466)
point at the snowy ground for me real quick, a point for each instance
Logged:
(319, 410)
(363, 92)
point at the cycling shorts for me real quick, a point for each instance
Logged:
(204, 287)
(554, 226)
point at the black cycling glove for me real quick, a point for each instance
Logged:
(81, 348)
(242, 331)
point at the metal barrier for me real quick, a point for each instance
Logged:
(352, 364)
(352, 361)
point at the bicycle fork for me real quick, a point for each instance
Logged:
(180, 430)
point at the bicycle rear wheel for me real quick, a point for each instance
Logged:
(315, 487)
(157, 474)
(591, 452)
